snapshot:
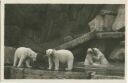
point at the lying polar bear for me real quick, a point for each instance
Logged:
(63, 56)
(23, 54)
(95, 57)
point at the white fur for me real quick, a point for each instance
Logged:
(88, 59)
(99, 58)
(63, 56)
(103, 60)
(24, 54)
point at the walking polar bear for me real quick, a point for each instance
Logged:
(23, 54)
(63, 56)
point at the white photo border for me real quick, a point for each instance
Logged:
(3, 2)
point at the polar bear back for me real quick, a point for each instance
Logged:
(23, 51)
(64, 55)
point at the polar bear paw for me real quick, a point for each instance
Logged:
(67, 69)
(14, 65)
(29, 66)
(19, 66)
(49, 68)
(56, 69)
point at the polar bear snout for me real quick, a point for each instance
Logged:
(49, 52)
(33, 56)
(34, 59)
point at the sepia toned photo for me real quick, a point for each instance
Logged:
(64, 41)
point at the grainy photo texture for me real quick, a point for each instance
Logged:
(64, 41)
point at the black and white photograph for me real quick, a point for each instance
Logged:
(64, 41)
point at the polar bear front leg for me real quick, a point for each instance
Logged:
(28, 63)
(50, 63)
(21, 62)
(70, 65)
(56, 61)
(15, 61)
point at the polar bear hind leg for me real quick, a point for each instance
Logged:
(20, 64)
(28, 61)
(15, 61)
(56, 61)
(70, 65)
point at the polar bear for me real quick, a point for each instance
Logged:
(88, 59)
(23, 54)
(95, 57)
(63, 56)
(100, 57)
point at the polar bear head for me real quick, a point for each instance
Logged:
(50, 52)
(89, 51)
(97, 51)
(92, 51)
(33, 55)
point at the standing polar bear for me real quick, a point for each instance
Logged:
(23, 54)
(63, 56)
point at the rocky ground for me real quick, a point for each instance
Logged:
(79, 72)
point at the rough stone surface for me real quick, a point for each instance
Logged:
(77, 73)
(118, 54)
(9, 55)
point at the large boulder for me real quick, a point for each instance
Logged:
(118, 54)
(97, 23)
(119, 22)
(9, 55)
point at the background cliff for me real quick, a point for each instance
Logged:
(49, 25)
